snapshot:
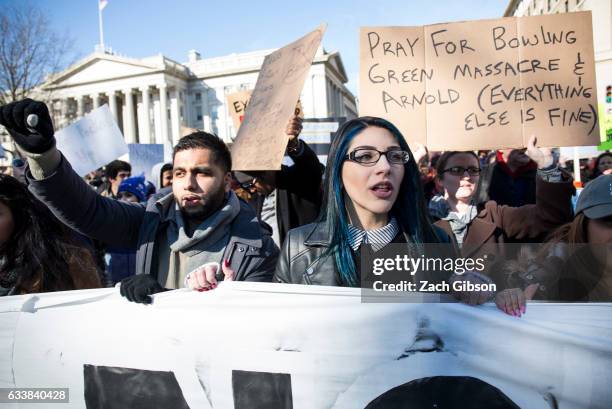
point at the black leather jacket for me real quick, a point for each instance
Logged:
(302, 259)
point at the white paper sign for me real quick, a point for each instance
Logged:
(308, 347)
(92, 142)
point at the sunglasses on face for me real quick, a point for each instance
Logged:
(369, 156)
(249, 185)
(460, 170)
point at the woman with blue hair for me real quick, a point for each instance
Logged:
(372, 196)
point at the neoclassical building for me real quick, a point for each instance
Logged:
(154, 99)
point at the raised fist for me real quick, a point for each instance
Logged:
(29, 123)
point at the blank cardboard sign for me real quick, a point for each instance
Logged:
(261, 140)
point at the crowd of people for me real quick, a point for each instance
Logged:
(199, 223)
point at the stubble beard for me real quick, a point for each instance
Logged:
(208, 207)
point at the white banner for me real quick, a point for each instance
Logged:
(264, 345)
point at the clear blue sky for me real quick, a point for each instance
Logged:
(141, 28)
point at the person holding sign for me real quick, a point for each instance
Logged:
(372, 195)
(291, 197)
(478, 228)
(200, 221)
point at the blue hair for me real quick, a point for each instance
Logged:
(409, 208)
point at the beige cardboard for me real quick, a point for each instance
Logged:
(390, 80)
(261, 140)
(470, 121)
(576, 73)
(236, 105)
(238, 102)
(479, 87)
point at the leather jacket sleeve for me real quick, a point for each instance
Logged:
(283, 267)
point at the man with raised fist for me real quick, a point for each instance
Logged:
(200, 222)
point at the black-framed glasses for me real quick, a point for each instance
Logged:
(460, 170)
(370, 156)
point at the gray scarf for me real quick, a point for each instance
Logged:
(207, 243)
(459, 222)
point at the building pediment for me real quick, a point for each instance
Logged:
(102, 67)
(334, 61)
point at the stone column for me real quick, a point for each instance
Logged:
(96, 100)
(147, 135)
(175, 120)
(206, 124)
(163, 102)
(128, 122)
(64, 112)
(80, 106)
(112, 104)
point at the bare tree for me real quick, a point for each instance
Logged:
(29, 50)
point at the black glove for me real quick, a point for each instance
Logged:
(138, 288)
(34, 139)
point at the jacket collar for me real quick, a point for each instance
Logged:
(478, 234)
(319, 236)
(163, 205)
(245, 227)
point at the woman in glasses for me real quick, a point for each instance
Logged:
(480, 229)
(372, 195)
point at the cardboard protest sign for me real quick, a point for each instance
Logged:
(484, 84)
(143, 157)
(261, 140)
(237, 104)
(92, 141)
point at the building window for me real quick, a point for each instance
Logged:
(198, 96)
(197, 112)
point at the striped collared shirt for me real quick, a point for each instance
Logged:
(378, 238)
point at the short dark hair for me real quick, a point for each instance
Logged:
(165, 167)
(204, 140)
(117, 166)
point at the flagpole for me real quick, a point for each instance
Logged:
(100, 24)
